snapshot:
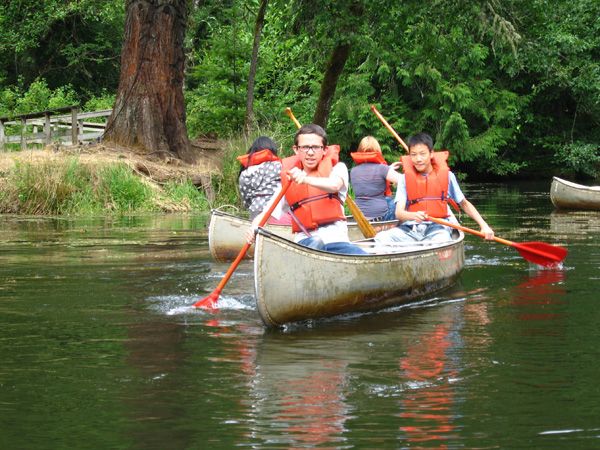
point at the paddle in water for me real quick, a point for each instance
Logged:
(212, 300)
(539, 253)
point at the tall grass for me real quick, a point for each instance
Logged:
(56, 187)
(186, 195)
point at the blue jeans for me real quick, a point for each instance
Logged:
(391, 212)
(418, 232)
(345, 248)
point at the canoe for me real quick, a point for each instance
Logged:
(226, 234)
(295, 283)
(567, 195)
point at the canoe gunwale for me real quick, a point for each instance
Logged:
(223, 250)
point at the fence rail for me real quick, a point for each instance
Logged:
(55, 125)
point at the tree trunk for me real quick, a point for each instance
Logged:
(335, 65)
(149, 113)
(260, 21)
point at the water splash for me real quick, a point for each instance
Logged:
(172, 305)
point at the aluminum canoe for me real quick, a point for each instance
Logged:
(567, 195)
(226, 234)
(294, 283)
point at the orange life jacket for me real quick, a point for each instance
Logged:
(311, 206)
(372, 157)
(430, 193)
(364, 157)
(257, 158)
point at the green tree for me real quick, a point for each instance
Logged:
(560, 72)
(430, 66)
(260, 21)
(221, 41)
(75, 43)
(508, 86)
(149, 111)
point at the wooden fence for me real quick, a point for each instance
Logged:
(55, 126)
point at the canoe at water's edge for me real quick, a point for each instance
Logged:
(567, 195)
(295, 283)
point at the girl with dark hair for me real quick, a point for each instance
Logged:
(260, 176)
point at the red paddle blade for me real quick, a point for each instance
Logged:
(210, 302)
(541, 253)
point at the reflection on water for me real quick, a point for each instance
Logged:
(302, 387)
(100, 347)
(427, 407)
(154, 361)
(301, 397)
(575, 223)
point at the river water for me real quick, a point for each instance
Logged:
(100, 349)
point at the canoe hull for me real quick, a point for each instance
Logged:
(567, 195)
(226, 234)
(294, 283)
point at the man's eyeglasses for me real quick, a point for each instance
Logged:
(314, 148)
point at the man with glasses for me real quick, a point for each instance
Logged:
(316, 196)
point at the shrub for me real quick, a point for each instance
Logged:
(580, 158)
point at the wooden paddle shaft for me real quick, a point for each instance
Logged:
(289, 112)
(389, 127)
(364, 225)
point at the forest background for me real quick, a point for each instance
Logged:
(510, 87)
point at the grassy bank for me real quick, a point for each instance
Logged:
(70, 182)
(63, 185)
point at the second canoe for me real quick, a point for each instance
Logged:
(568, 195)
(226, 234)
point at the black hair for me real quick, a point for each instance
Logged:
(259, 144)
(420, 138)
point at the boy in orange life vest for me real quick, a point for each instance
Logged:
(316, 195)
(371, 179)
(259, 177)
(423, 189)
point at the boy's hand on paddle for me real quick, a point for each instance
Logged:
(297, 175)
(420, 216)
(488, 233)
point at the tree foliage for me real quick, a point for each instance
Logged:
(508, 86)
(75, 43)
